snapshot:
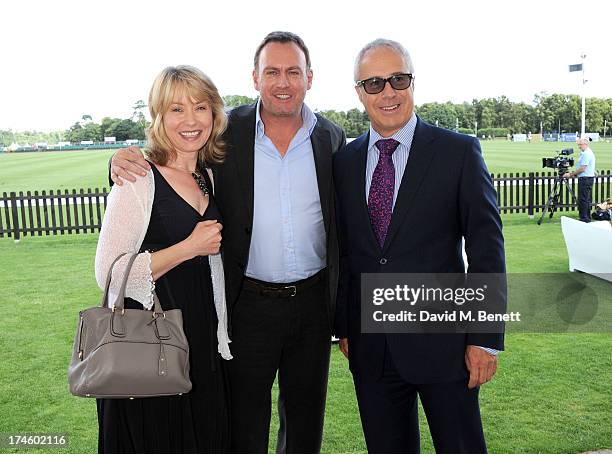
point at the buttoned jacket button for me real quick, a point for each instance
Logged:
(383, 261)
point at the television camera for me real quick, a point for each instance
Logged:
(561, 162)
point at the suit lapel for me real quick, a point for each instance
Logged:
(244, 143)
(321, 148)
(418, 162)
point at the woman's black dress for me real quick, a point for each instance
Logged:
(196, 422)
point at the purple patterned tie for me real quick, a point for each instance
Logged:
(380, 199)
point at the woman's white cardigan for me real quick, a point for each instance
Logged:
(125, 224)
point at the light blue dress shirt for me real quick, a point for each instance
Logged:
(587, 158)
(400, 158)
(288, 241)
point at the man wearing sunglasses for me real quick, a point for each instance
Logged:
(407, 192)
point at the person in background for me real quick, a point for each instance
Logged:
(585, 171)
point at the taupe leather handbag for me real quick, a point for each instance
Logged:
(127, 353)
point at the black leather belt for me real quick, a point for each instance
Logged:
(274, 290)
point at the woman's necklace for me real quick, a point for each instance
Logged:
(199, 179)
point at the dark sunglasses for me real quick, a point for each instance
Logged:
(375, 85)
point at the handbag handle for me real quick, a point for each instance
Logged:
(119, 302)
(108, 280)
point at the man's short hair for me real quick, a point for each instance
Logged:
(282, 37)
(380, 42)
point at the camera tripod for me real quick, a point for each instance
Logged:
(555, 194)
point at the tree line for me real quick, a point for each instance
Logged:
(549, 113)
(85, 129)
(495, 116)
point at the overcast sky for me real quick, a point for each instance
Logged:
(62, 58)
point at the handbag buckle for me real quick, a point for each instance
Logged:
(164, 335)
(122, 310)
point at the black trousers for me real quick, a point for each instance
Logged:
(388, 408)
(291, 337)
(585, 189)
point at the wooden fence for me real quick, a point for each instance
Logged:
(81, 211)
(530, 192)
(51, 213)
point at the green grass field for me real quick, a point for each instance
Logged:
(87, 169)
(551, 394)
(35, 171)
(503, 156)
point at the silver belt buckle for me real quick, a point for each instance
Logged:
(289, 287)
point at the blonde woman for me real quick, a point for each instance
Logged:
(171, 220)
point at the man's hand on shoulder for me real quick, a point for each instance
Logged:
(126, 163)
(481, 364)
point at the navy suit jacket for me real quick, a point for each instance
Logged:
(446, 193)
